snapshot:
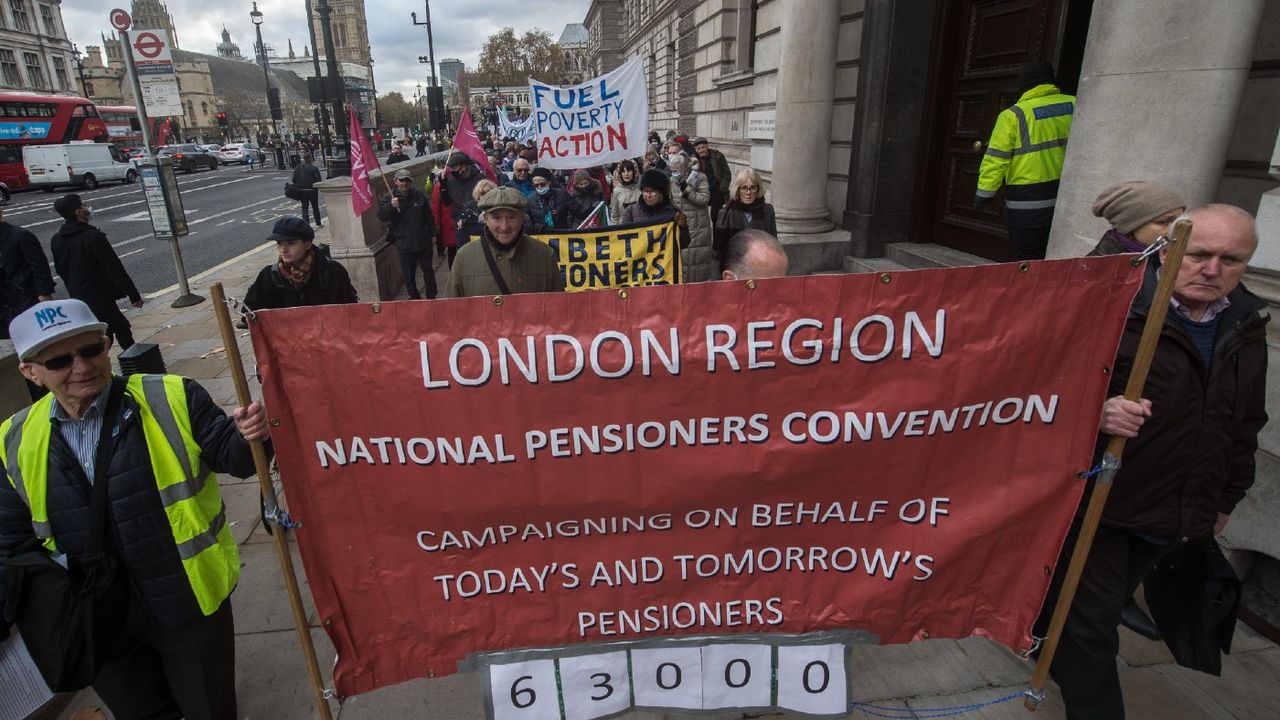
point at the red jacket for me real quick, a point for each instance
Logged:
(448, 231)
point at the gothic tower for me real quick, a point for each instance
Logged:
(154, 14)
(350, 31)
(228, 49)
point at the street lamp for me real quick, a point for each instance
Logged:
(79, 62)
(341, 158)
(323, 114)
(256, 16)
(430, 58)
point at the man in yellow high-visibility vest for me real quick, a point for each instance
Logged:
(166, 524)
(1025, 156)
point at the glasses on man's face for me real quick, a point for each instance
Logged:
(541, 184)
(62, 362)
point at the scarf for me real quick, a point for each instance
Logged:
(1126, 241)
(298, 275)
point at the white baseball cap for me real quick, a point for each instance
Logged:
(44, 324)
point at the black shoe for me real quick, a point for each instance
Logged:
(1133, 618)
(319, 224)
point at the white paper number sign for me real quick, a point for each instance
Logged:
(667, 677)
(737, 676)
(805, 675)
(595, 685)
(811, 679)
(524, 691)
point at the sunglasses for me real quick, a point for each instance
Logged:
(62, 362)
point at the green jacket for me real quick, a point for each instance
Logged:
(529, 266)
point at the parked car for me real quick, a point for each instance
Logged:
(239, 153)
(189, 157)
(213, 148)
(81, 163)
(4, 194)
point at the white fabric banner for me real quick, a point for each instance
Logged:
(519, 132)
(603, 120)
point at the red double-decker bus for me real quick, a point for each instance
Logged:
(29, 119)
(123, 128)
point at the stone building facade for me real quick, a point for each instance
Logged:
(871, 116)
(35, 53)
(604, 23)
(350, 32)
(153, 15)
(574, 42)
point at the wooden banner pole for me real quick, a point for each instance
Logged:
(1110, 461)
(236, 363)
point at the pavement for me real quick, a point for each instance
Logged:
(921, 676)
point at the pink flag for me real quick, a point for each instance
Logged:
(468, 142)
(362, 161)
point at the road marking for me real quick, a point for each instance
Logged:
(131, 240)
(99, 211)
(132, 252)
(212, 270)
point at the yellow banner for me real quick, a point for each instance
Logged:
(617, 256)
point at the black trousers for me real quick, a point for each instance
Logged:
(187, 672)
(410, 261)
(1085, 664)
(312, 198)
(118, 327)
(1030, 243)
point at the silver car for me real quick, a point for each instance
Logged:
(238, 153)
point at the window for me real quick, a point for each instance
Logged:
(60, 73)
(9, 69)
(46, 17)
(35, 70)
(21, 20)
(671, 73)
(204, 108)
(745, 45)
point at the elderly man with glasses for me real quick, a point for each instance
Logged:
(408, 211)
(143, 452)
(521, 177)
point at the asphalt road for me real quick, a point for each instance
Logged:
(229, 212)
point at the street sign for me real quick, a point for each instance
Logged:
(164, 203)
(148, 45)
(153, 64)
(120, 19)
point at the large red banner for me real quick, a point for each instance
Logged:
(896, 454)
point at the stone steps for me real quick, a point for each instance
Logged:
(912, 256)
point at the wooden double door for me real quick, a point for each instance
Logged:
(979, 47)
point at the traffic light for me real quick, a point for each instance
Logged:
(222, 120)
(423, 59)
(273, 102)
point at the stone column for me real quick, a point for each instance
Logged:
(1159, 92)
(806, 86)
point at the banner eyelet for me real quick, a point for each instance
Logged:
(376, 308)
(497, 301)
(1023, 267)
(275, 422)
(751, 284)
(886, 278)
(622, 294)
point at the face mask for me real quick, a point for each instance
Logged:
(543, 189)
(88, 213)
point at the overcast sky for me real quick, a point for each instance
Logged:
(459, 28)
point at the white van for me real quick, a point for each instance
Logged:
(83, 163)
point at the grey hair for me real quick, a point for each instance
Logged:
(1231, 211)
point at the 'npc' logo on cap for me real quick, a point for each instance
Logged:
(51, 316)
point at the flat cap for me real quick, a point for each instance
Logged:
(503, 197)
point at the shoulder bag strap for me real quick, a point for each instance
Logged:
(493, 265)
(102, 462)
